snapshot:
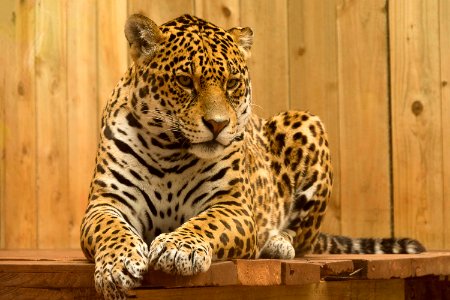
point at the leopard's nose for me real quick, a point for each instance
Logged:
(215, 126)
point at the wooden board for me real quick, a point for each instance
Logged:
(5, 12)
(333, 269)
(444, 37)
(383, 289)
(268, 64)
(417, 121)
(42, 255)
(298, 271)
(17, 93)
(313, 80)
(53, 211)
(112, 55)
(82, 110)
(364, 118)
(247, 272)
(386, 266)
(59, 274)
(45, 294)
(223, 13)
(427, 288)
(161, 11)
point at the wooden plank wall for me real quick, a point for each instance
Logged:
(19, 205)
(444, 37)
(377, 72)
(419, 112)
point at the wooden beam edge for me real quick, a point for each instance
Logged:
(78, 272)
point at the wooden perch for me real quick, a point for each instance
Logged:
(68, 275)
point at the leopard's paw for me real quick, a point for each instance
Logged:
(278, 247)
(119, 270)
(174, 254)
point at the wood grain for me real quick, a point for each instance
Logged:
(219, 274)
(242, 271)
(427, 288)
(6, 10)
(45, 294)
(161, 11)
(82, 109)
(53, 212)
(376, 289)
(112, 56)
(382, 289)
(444, 37)
(297, 272)
(60, 61)
(223, 13)
(65, 274)
(364, 118)
(19, 125)
(268, 64)
(313, 79)
(260, 272)
(417, 123)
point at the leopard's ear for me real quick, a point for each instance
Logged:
(243, 36)
(144, 37)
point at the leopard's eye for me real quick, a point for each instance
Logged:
(185, 81)
(232, 83)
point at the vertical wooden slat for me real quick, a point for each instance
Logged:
(363, 115)
(444, 36)
(6, 38)
(17, 93)
(269, 62)
(223, 13)
(2, 147)
(416, 115)
(313, 80)
(82, 108)
(52, 128)
(111, 48)
(161, 11)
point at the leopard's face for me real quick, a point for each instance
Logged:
(194, 90)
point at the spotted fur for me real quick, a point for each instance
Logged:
(186, 174)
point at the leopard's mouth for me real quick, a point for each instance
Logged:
(210, 144)
(206, 150)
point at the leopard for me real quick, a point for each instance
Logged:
(187, 174)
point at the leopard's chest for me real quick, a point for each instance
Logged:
(180, 196)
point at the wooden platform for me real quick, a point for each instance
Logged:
(67, 275)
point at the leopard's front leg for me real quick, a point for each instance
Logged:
(117, 249)
(225, 230)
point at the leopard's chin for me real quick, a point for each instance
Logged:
(206, 150)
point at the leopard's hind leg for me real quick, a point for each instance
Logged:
(279, 245)
(302, 161)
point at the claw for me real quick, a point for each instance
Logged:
(116, 274)
(136, 272)
(154, 255)
(172, 254)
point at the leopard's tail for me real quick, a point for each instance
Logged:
(335, 244)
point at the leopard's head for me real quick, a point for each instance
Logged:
(191, 85)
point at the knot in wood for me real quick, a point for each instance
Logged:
(417, 108)
(301, 51)
(20, 88)
(226, 11)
